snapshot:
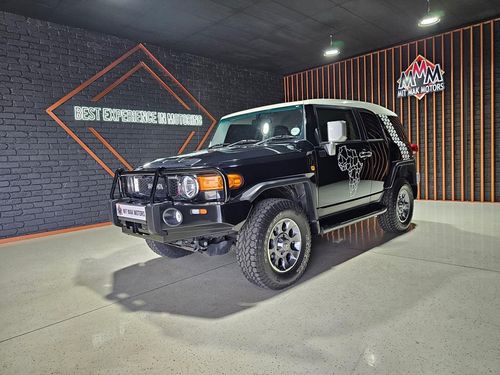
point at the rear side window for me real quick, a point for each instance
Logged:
(372, 125)
(396, 123)
(332, 114)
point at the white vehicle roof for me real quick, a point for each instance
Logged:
(375, 108)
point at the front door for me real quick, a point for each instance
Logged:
(341, 179)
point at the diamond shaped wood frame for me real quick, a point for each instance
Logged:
(142, 65)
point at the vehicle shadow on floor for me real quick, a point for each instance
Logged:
(214, 287)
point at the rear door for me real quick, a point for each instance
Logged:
(341, 177)
(377, 165)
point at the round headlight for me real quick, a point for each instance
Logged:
(172, 217)
(189, 187)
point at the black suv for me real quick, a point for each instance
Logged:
(271, 178)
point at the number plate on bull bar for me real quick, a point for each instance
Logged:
(129, 211)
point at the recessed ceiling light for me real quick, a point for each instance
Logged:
(430, 18)
(332, 50)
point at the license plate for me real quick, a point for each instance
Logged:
(131, 212)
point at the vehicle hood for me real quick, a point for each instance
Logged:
(229, 156)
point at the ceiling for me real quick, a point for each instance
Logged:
(280, 35)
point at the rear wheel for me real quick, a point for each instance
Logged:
(166, 250)
(399, 202)
(274, 245)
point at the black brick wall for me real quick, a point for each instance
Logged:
(47, 181)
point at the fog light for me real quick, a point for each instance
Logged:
(172, 217)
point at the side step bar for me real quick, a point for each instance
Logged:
(328, 228)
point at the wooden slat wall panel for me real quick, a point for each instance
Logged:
(456, 129)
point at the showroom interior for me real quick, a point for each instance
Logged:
(89, 88)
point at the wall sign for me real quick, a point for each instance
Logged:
(150, 64)
(105, 114)
(420, 78)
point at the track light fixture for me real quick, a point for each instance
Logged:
(332, 50)
(430, 18)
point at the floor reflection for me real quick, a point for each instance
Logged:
(363, 235)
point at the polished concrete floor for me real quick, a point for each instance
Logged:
(99, 302)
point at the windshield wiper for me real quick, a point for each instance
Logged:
(218, 145)
(240, 142)
(282, 136)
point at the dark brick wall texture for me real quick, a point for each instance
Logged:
(47, 181)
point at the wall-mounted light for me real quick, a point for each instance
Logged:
(332, 50)
(430, 18)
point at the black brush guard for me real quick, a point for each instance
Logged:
(220, 219)
(117, 181)
(157, 173)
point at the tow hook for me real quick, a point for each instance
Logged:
(213, 247)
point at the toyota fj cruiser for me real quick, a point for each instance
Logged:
(270, 179)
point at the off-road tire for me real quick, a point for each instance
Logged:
(389, 221)
(251, 247)
(166, 250)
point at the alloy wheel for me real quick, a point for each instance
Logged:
(403, 205)
(284, 245)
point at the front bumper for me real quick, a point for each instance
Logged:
(220, 219)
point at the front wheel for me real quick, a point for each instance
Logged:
(166, 250)
(399, 202)
(274, 244)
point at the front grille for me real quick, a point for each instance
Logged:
(138, 186)
(143, 184)
(173, 186)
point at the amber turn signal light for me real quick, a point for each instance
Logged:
(210, 182)
(235, 181)
(215, 182)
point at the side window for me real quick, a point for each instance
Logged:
(372, 125)
(396, 123)
(331, 114)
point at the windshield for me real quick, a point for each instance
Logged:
(258, 126)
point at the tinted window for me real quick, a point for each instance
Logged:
(396, 123)
(372, 125)
(331, 114)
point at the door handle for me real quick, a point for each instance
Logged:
(365, 154)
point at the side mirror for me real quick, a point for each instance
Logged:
(337, 132)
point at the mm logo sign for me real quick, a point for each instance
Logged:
(420, 78)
